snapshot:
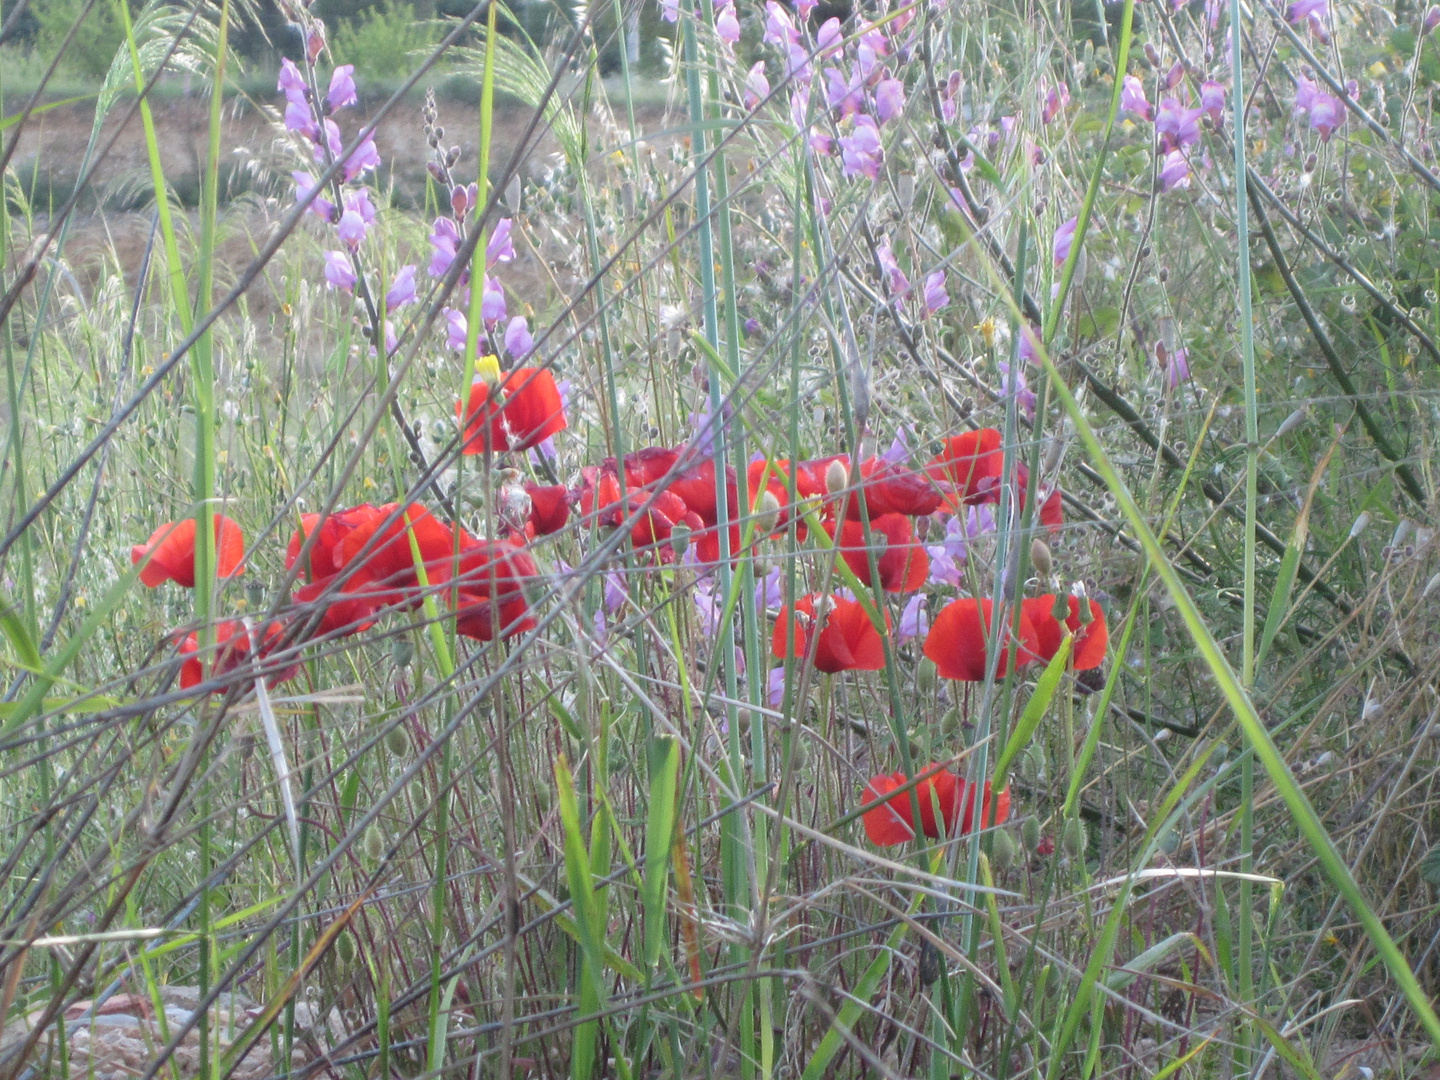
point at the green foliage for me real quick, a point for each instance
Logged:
(95, 43)
(380, 41)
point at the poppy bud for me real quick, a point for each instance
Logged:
(1075, 838)
(925, 675)
(767, 514)
(1002, 853)
(255, 594)
(680, 539)
(544, 797)
(837, 477)
(1170, 841)
(1291, 422)
(345, 948)
(396, 741)
(374, 843)
(1030, 833)
(799, 756)
(950, 722)
(1040, 557)
(1086, 615)
(1360, 525)
(1060, 611)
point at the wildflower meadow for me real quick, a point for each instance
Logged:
(719, 538)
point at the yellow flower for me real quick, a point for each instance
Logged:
(987, 332)
(488, 368)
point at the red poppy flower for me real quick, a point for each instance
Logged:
(889, 819)
(1091, 639)
(1051, 512)
(490, 594)
(959, 635)
(232, 651)
(524, 408)
(848, 639)
(390, 559)
(171, 551)
(903, 563)
(971, 462)
(696, 486)
(347, 610)
(648, 464)
(549, 508)
(705, 541)
(332, 530)
(894, 489)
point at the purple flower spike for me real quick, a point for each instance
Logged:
(342, 87)
(1326, 114)
(1175, 172)
(501, 248)
(1178, 126)
(914, 620)
(842, 94)
(757, 86)
(1064, 239)
(492, 302)
(338, 273)
(889, 99)
(1132, 98)
(894, 276)
(402, 289)
(322, 207)
(861, 153)
(1056, 99)
(518, 340)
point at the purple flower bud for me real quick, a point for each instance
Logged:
(889, 99)
(1175, 171)
(804, 8)
(315, 41)
(338, 272)
(342, 87)
(1132, 98)
(894, 276)
(1212, 100)
(492, 302)
(1064, 239)
(914, 620)
(1432, 19)
(1175, 75)
(459, 201)
(861, 152)
(518, 340)
(444, 238)
(752, 327)
(402, 289)
(935, 295)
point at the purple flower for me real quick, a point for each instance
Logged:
(1029, 336)
(1014, 383)
(779, 30)
(1178, 126)
(501, 248)
(861, 152)
(1174, 76)
(899, 451)
(364, 158)
(402, 289)
(1212, 100)
(1432, 20)
(1305, 92)
(1064, 239)
(708, 608)
(299, 119)
(338, 272)
(727, 26)
(359, 215)
(1313, 10)
(871, 47)
(894, 276)
(757, 86)
(322, 207)
(444, 238)
(292, 83)
(702, 442)
(342, 87)
(935, 295)
(776, 681)
(455, 328)
(1132, 98)
(914, 620)
(518, 340)
(670, 10)
(826, 41)
(889, 99)
(492, 302)
(1175, 365)
(1175, 171)
(613, 593)
(1056, 99)
(797, 64)
(600, 632)
(752, 326)
(847, 96)
(823, 145)
(950, 98)
(1326, 114)
(804, 8)
(770, 592)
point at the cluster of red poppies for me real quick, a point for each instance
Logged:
(360, 561)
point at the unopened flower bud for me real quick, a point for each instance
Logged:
(680, 539)
(1291, 422)
(767, 513)
(1060, 610)
(436, 172)
(374, 843)
(1075, 838)
(345, 948)
(1086, 615)
(396, 741)
(1432, 20)
(315, 42)
(1002, 852)
(925, 675)
(401, 652)
(837, 477)
(1030, 833)
(1360, 525)
(1152, 55)
(1310, 162)
(458, 200)
(1040, 557)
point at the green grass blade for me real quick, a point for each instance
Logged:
(659, 833)
(1035, 710)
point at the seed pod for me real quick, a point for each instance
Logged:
(1040, 557)
(1002, 854)
(950, 722)
(374, 843)
(396, 741)
(254, 594)
(680, 539)
(1170, 841)
(1075, 838)
(837, 477)
(1030, 833)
